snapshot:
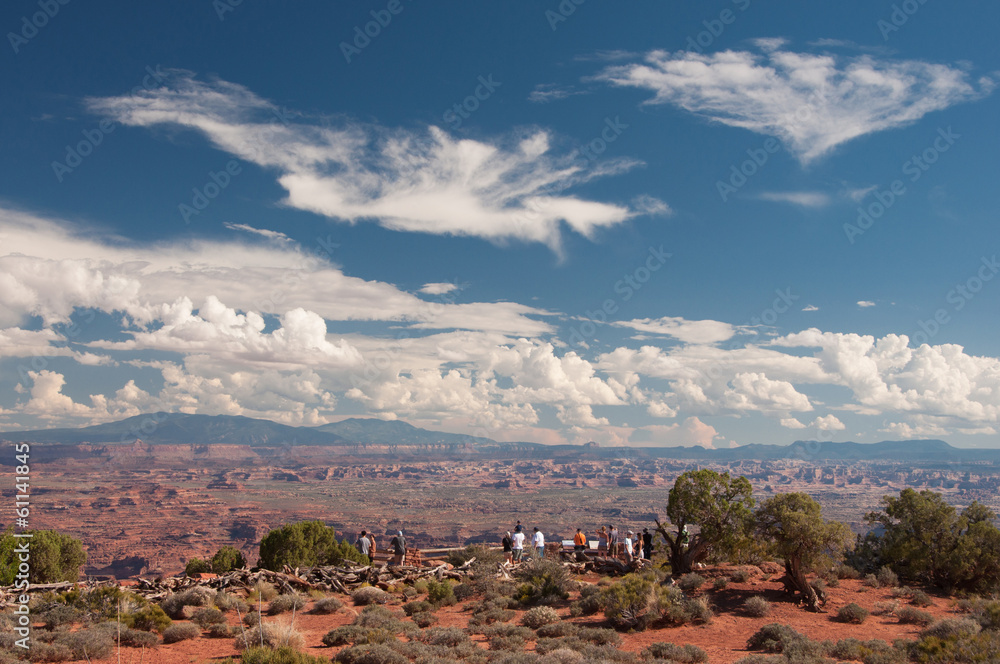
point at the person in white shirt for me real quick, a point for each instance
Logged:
(538, 541)
(629, 544)
(517, 547)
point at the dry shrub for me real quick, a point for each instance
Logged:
(539, 616)
(852, 613)
(180, 632)
(285, 603)
(756, 607)
(370, 595)
(327, 605)
(271, 635)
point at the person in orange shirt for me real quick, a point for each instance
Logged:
(579, 541)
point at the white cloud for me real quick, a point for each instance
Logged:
(792, 423)
(688, 331)
(864, 304)
(808, 199)
(755, 391)
(263, 232)
(438, 288)
(827, 423)
(416, 181)
(813, 103)
(810, 307)
(548, 92)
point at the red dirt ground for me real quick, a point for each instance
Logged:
(724, 639)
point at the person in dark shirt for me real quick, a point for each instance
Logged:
(398, 545)
(647, 544)
(508, 548)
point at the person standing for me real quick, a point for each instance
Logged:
(647, 544)
(508, 548)
(579, 541)
(602, 540)
(538, 541)
(628, 547)
(398, 545)
(363, 545)
(612, 540)
(517, 545)
(371, 547)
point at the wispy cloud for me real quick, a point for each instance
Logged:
(513, 187)
(546, 92)
(263, 232)
(864, 304)
(809, 199)
(810, 307)
(813, 103)
(438, 288)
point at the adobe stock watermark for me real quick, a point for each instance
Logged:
(75, 154)
(37, 21)
(914, 167)
(381, 18)
(203, 196)
(223, 7)
(739, 176)
(715, 27)
(461, 111)
(901, 13)
(957, 297)
(562, 12)
(626, 287)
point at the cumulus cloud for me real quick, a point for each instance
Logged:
(827, 423)
(812, 102)
(864, 304)
(408, 180)
(438, 288)
(688, 331)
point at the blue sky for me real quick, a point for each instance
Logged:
(715, 224)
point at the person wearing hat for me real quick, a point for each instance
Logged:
(398, 544)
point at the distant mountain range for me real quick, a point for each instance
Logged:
(361, 433)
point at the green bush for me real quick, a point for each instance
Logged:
(54, 557)
(304, 544)
(852, 613)
(87, 643)
(57, 615)
(557, 630)
(282, 655)
(921, 599)
(206, 616)
(911, 616)
(756, 606)
(417, 607)
(136, 638)
(627, 603)
(512, 643)
(197, 566)
(226, 559)
(149, 618)
(180, 632)
(327, 605)
(370, 595)
(598, 636)
(451, 637)
(675, 608)
(691, 582)
(539, 616)
(424, 619)
(285, 603)
(720, 582)
(370, 654)
(174, 603)
(887, 578)
(229, 602)
(220, 631)
(773, 638)
(542, 581)
(440, 593)
(687, 654)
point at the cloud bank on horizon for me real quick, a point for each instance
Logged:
(559, 268)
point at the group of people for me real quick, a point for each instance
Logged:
(366, 547)
(609, 542)
(514, 545)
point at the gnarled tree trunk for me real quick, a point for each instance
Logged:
(796, 579)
